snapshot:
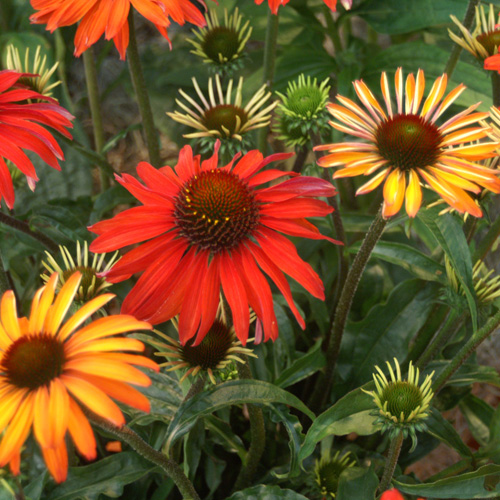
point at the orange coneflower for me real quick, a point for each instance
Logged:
(109, 17)
(49, 368)
(403, 144)
(209, 227)
(22, 127)
(275, 4)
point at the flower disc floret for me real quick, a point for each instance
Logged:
(404, 147)
(216, 210)
(213, 229)
(328, 470)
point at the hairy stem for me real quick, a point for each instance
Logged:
(95, 108)
(171, 468)
(25, 228)
(269, 63)
(391, 462)
(495, 88)
(322, 389)
(471, 345)
(142, 95)
(257, 437)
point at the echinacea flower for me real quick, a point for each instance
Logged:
(220, 116)
(403, 144)
(485, 39)
(327, 472)
(402, 404)
(22, 127)
(215, 353)
(109, 17)
(91, 284)
(275, 4)
(39, 78)
(211, 227)
(222, 45)
(49, 368)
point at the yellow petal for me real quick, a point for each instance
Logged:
(8, 315)
(413, 195)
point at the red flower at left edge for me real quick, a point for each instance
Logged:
(212, 227)
(24, 114)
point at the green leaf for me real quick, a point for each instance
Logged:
(223, 434)
(230, 393)
(105, 477)
(397, 321)
(414, 261)
(470, 373)
(280, 413)
(264, 492)
(393, 16)
(352, 413)
(450, 237)
(303, 367)
(441, 429)
(479, 415)
(356, 483)
(463, 487)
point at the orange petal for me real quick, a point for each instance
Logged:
(80, 431)
(56, 460)
(413, 194)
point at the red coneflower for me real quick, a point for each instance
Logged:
(209, 227)
(403, 146)
(49, 368)
(109, 17)
(275, 4)
(21, 127)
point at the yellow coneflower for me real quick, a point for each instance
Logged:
(40, 83)
(485, 39)
(403, 145)
(91, 284)
(222, 45)
(49, 367)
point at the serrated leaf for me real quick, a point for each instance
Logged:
(451, 238)
(352, 413)
(264, 492)
(227, 394)
(105, 477)
(467, 486)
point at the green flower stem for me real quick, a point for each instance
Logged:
(391, 462)
(457, 49)
(25, 228)
(322, 389)
(435, 322)
(197, 386)
(142, 95)
(4, 280)
(495, 88)
(448, 331)
(471, 345)
(333, 29)
(172, 469)
(269, 64)
(257, 437)
(95, 108)
(301, 153)
(487, 242)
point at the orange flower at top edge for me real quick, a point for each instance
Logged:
(275, 4)
(403, 145)
(22, 126)
(49, 368)
(393, 495)
(109, 17)
(210, 227)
